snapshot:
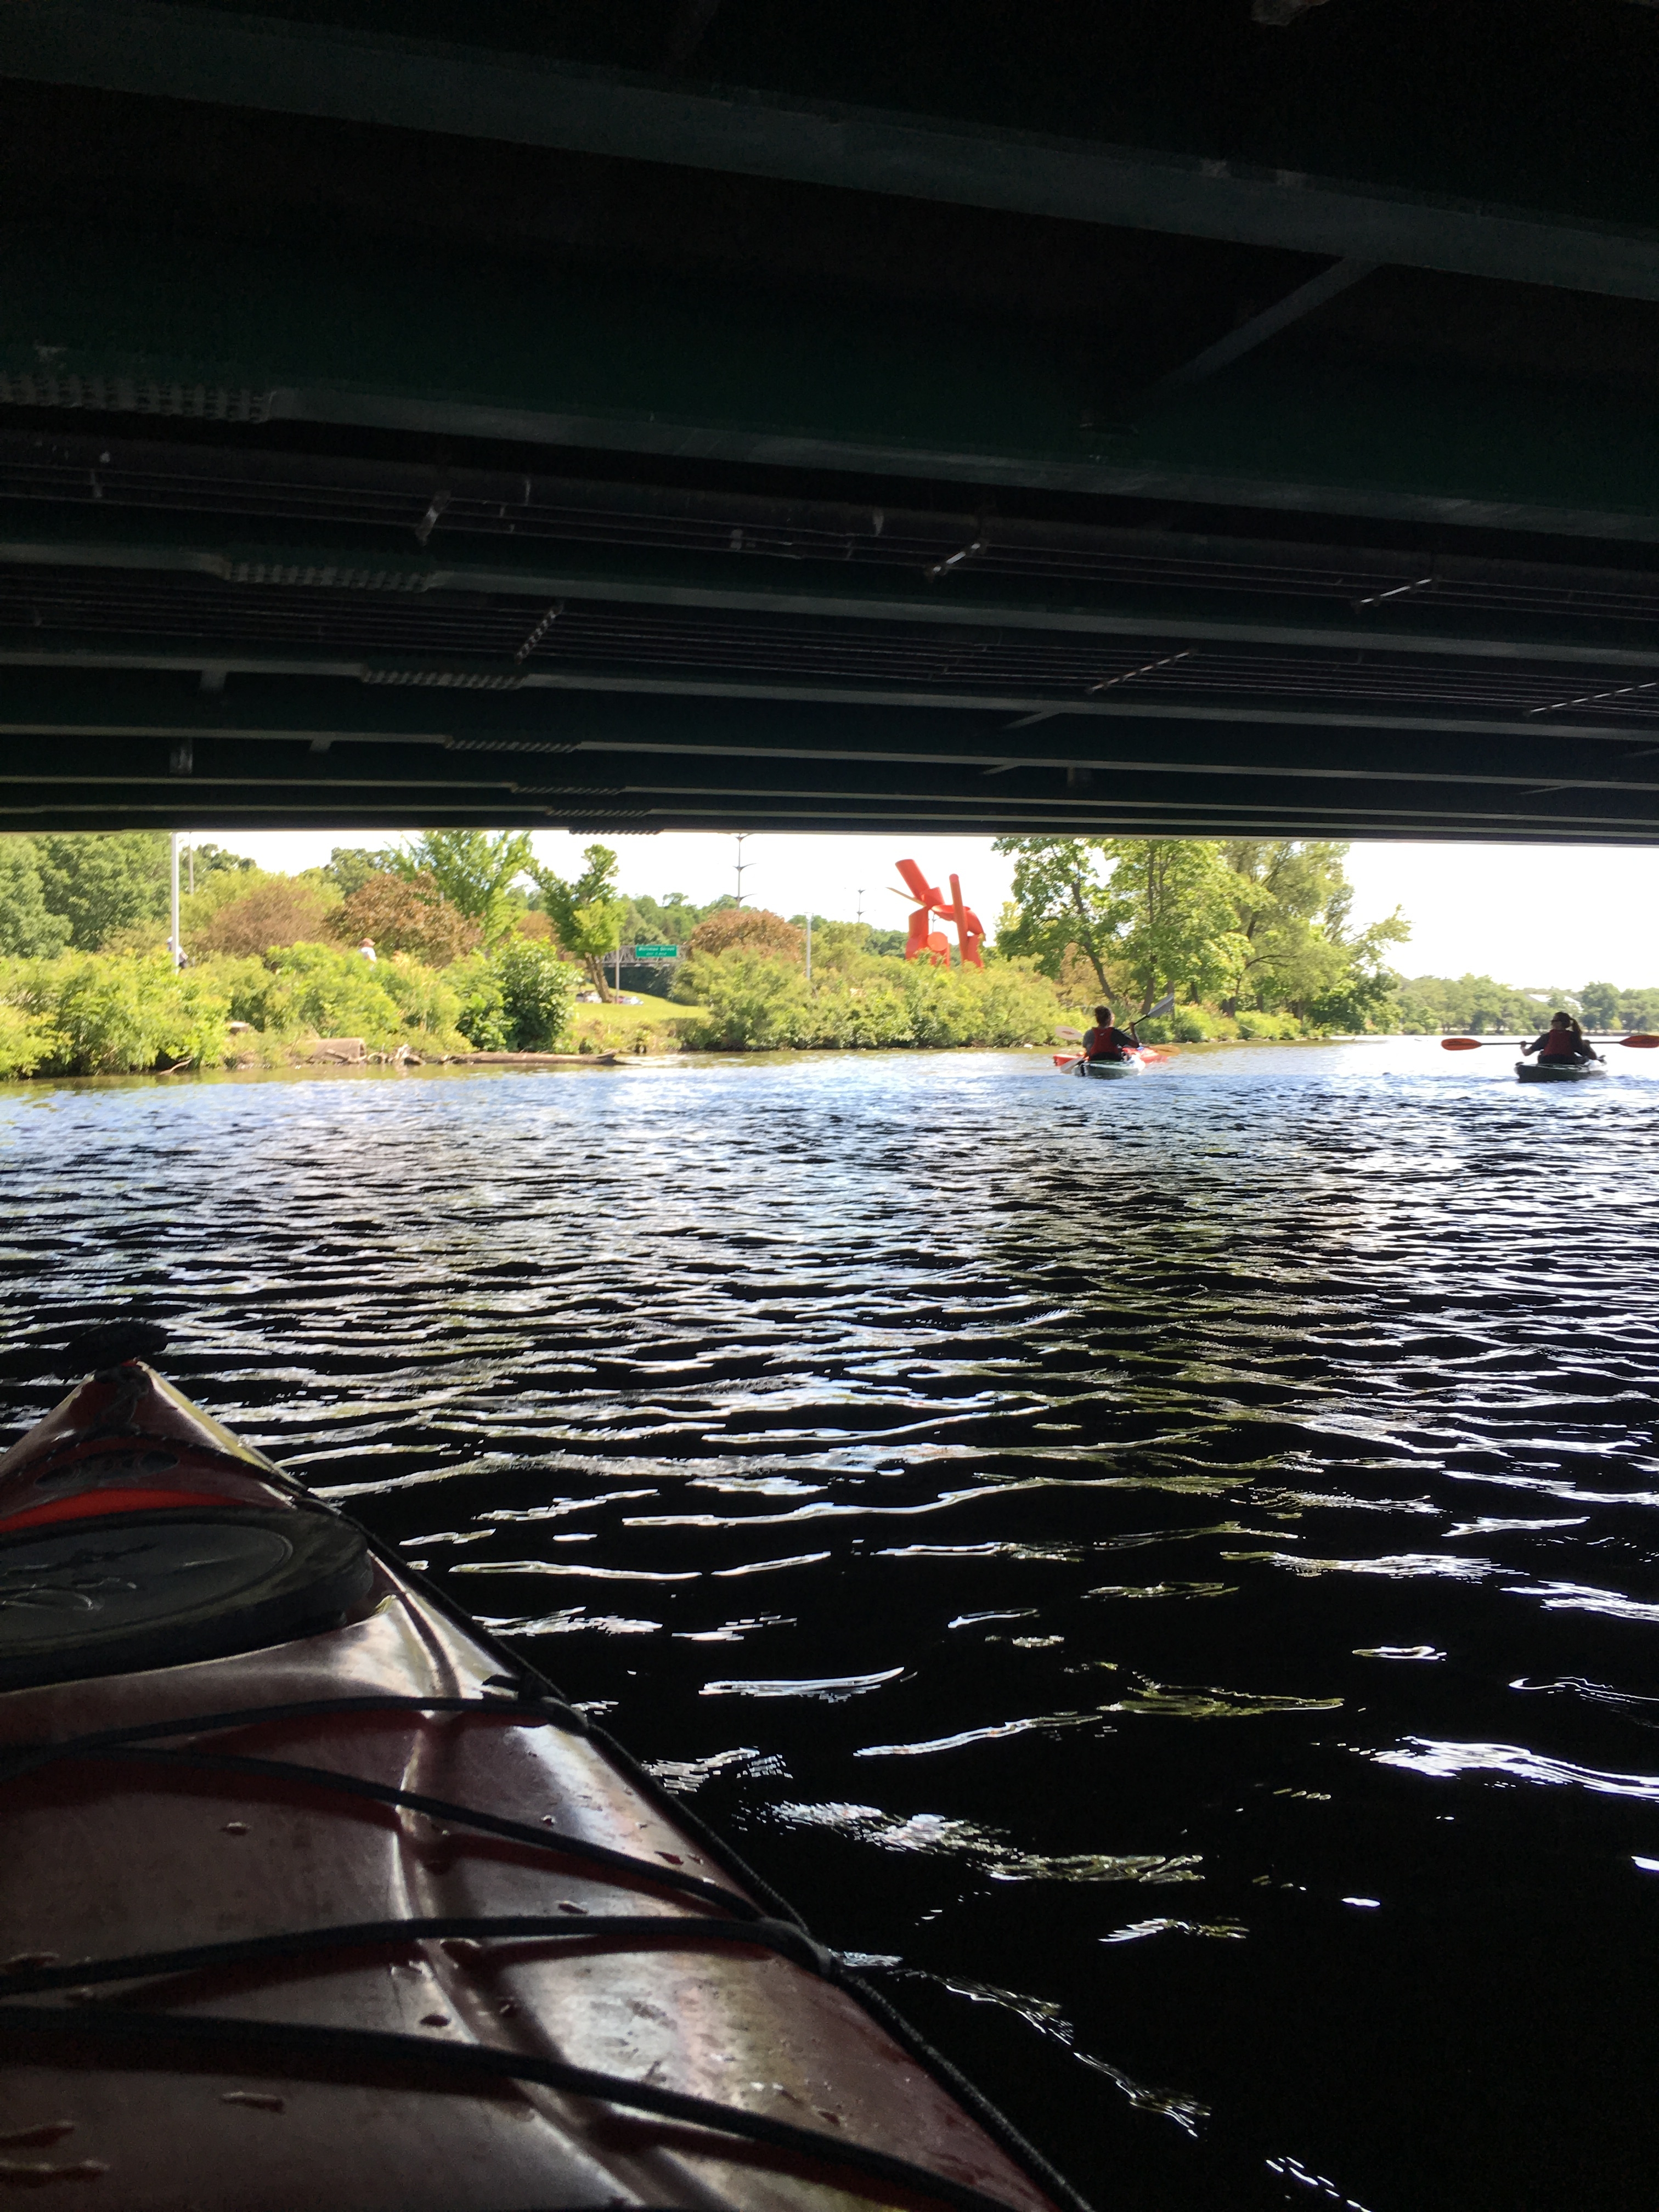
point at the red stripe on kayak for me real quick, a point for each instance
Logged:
(89, 1504)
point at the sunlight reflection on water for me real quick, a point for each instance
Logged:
(981, 1490)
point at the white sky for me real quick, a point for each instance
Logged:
(1531, 916)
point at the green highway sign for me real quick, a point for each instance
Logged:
(656, 951)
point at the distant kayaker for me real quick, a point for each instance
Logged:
(1562, 1040)
(1105, 1041)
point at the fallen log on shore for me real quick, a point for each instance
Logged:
(530, 1059)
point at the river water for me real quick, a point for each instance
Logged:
(1165, 1570)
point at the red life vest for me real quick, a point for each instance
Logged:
(1559, 1044)
(1107, 1043)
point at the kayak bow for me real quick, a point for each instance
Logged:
(316, 1895)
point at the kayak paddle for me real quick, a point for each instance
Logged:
(1639, 1041)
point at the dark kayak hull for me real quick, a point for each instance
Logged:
(1111, 1070)
(1530, 1071)
(428, 1942)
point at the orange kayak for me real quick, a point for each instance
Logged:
(315, 1896)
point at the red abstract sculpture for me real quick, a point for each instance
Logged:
(970, 930)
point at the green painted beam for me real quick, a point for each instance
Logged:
(39, 534)
(182, 52)
(635, 362)
(218, 772)
(227, 807)
(68, 705)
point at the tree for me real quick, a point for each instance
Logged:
(350, 866)
(1609, 1006)
(103, 882)
(1148, 914)
(749, 929)
(1473, 1004)
(1060, 900)
(474, 869)
(667, 921)
(27, 930)
(211, 860)
(1293, 902)
(588, 914)
(1177, 925)
(279, 911)
(404, 914)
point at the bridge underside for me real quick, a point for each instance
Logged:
(762, 416)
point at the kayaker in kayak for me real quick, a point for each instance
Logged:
(1562, 1041)
(1106, 1041)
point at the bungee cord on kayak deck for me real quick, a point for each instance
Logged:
(414, 1800)
(664, 1931)
(225, 2034)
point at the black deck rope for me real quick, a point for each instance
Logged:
(17, 1759)
(225, 2037)
(629, 1931)
(141, 1743)
(552, 1840)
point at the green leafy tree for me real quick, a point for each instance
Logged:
(1177, 924)
(103, 882)
(26, 926)
(1284, 893)
(1150, 914)
(350, 866)
(473, 869)
(588, 914)
(1609, 1006)
(667, 921)
(1474, 1006)
(210, 859)
(1062, 898)
(1297, 946)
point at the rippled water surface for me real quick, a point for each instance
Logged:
(1166, 1567)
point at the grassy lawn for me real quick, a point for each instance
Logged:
(654, 1026)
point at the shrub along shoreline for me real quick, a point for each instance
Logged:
(115, 1013)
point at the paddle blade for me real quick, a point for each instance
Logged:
(1641, 1043)
(1165, 1005)
(1460, 1044)
(1061, 1029)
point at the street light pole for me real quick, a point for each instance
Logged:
(742, 863)
(177, 949)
